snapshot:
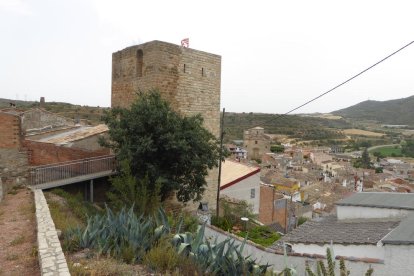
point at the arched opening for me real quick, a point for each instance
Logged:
(140, 56)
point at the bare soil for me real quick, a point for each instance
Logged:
(354, 131)
(18, 245)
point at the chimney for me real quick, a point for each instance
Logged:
(42, 102)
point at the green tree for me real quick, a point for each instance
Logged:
(365, 159)
(168, 148)
(408, 148)
(378, 155)
(277, 148)
(128, 191)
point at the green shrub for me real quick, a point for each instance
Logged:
(232, 212)
(189, 223)
(277, 148)
(261, 235)
(78, 206)
(126, 190)
(162, 258)
(62, 215)
(302, 220)
(222, 223)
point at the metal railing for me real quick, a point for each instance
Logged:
(59, 171)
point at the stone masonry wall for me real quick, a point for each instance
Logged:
(255, 143)
(51, 258)
(37, 118)
(188, 79)
(13, 169)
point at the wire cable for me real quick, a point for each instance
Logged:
(342, 83)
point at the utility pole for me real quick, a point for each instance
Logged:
(221, 156)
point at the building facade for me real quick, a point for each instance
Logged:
(256, 142)
(241, 182)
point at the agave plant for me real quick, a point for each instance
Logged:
(223, 258)
(120, 234)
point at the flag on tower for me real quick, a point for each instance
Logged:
(185, 42)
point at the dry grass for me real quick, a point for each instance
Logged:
(327, 116)
(104, 266)
(18, 240)
(12, 257)
(360, 132)
(27, 210)
(61, 214)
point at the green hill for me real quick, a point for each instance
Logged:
(399, 112)
(91, 113)
(305, 128)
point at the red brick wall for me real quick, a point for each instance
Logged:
(46, 153)
(268, 214)
(10, 131)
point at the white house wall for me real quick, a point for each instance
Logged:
(241, 191)
(360, 212)
(358, 251)
(399, 260)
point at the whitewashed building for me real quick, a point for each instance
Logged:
(241, 182)
(368, 226)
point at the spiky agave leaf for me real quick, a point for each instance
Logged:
(184, 249)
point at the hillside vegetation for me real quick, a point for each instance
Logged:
(305, 128)
(91, 113)
(400, 111)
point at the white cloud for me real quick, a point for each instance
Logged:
(15, 6)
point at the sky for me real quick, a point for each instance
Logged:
(276, 55)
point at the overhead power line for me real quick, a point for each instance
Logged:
(342, 83)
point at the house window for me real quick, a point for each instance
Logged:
(255, 142)
(252, 193)
(184, 68)
(202, 72)
(140, 56)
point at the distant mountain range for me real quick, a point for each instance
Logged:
(400, 111)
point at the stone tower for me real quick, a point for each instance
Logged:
(188, 79)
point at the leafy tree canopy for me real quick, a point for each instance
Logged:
(408, 148)
(277, 148)
(163, 146)
(365, 159)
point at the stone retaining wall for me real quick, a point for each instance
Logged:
(13, 169)
(51, 258)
